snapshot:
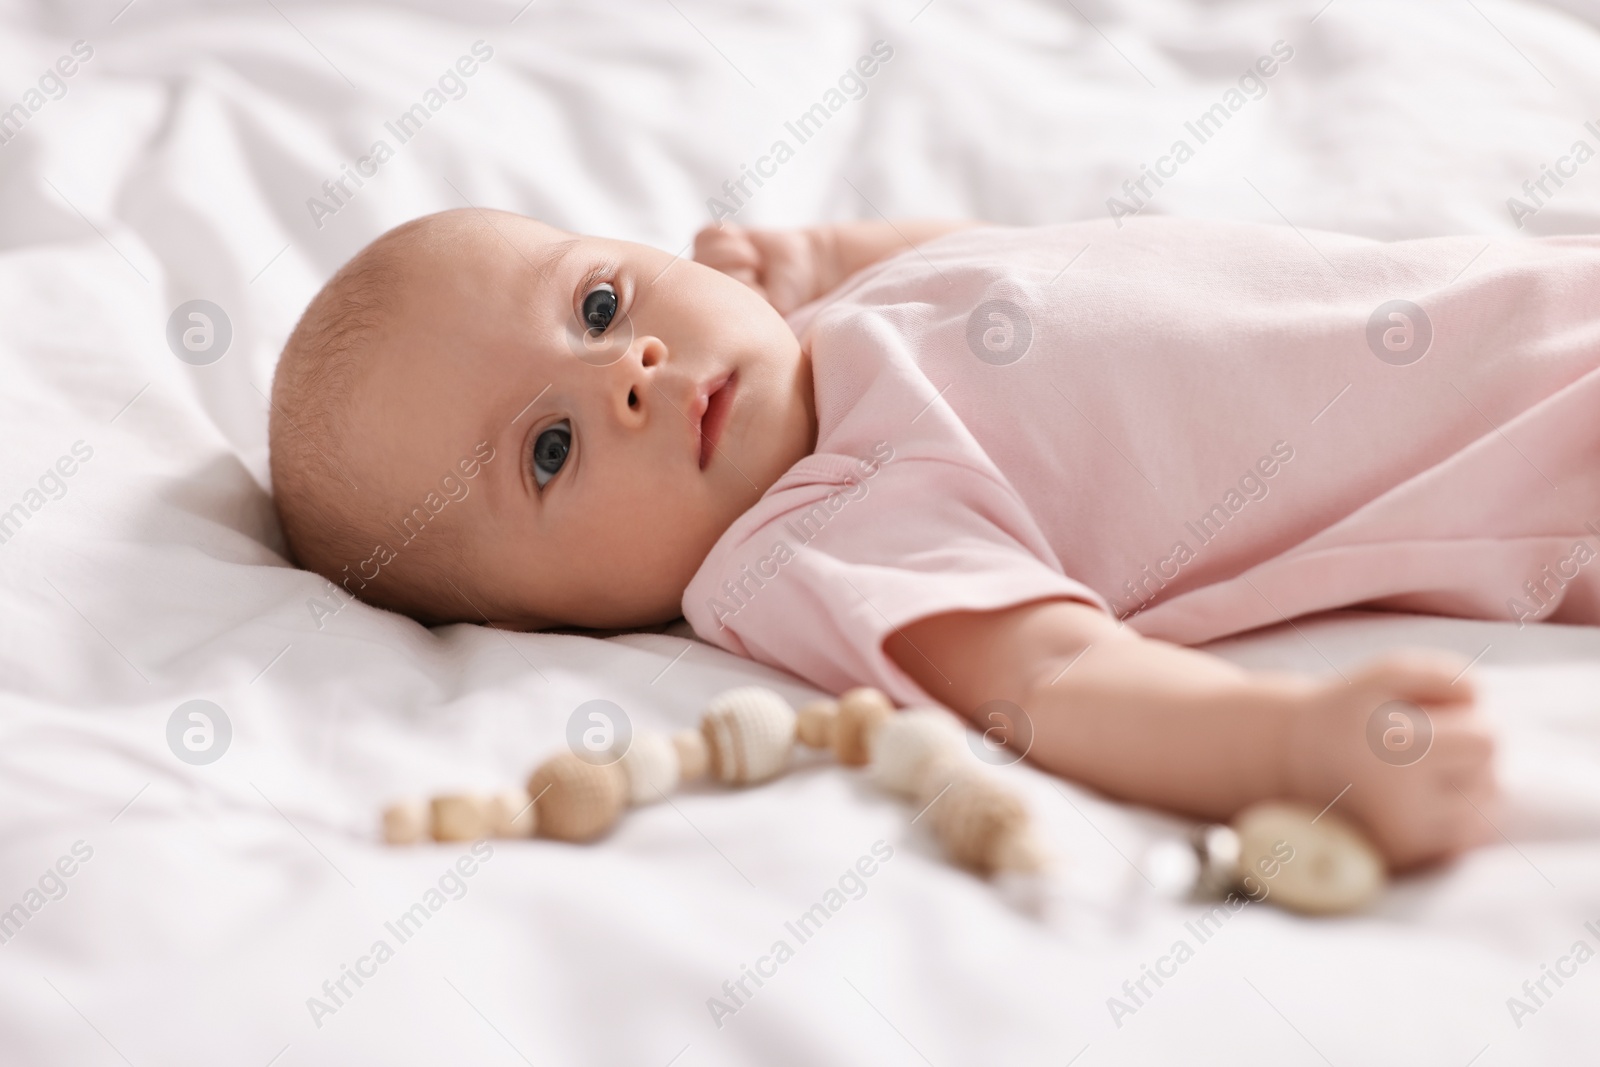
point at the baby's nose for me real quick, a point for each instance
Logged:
(640, 381)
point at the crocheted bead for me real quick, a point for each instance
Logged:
(651, 764)
(460, 817)
(861, 712)
(748, 733)
(1319, 868)
(577, 800)
(510, 814)
(406, 822)
(908, 743)
(981, 824)
(814, 723)
(693, 759)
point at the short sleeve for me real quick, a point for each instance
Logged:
(843, 551)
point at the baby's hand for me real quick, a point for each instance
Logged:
(1367, 734)
(782, 265)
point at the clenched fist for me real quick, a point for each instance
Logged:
(787, 267)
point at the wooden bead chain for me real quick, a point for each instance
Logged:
(747, 735)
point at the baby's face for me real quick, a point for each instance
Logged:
(636, 405)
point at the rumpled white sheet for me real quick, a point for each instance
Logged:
(218, 899)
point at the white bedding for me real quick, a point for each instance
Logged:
(208, 903)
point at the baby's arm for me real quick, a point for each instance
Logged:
(1158, 724)
(794, 267)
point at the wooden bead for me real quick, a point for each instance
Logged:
(511, 814)
(577, 800)
(814, 723)
(1318, 868)
(749, 732)
(861, 712)
(460, 817)
(693, 758)
(651, 764)
(981, 824)
(406, 822)
(1019, 852)
(908, 743)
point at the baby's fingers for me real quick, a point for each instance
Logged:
(1462, 766)
(728, 248)
(1422, 676)
(1462, 755)
(1462, 738)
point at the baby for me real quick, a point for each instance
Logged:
(1003, 469)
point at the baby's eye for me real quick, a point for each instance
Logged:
(599, 308)
(550, 450)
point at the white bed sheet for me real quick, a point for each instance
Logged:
(218, 899)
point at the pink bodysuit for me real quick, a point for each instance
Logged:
(1201, 427)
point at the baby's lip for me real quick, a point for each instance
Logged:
(712, 404)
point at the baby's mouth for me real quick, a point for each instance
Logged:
(719, 401)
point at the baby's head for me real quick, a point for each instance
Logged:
(484, 418)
